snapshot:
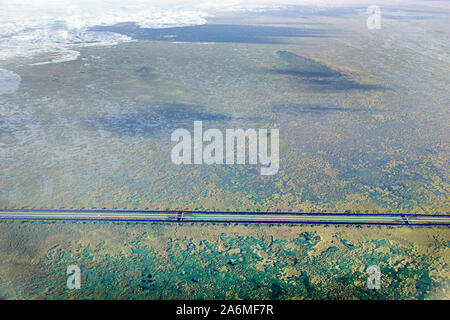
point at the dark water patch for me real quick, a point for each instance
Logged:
(345, 84)
(275, 291)
(424, 285)
(154, 120)
(215, 33)
(287, 23)
(11, 124)
(296, 109)
(311, 72)
(188, 112)
(146, 72)
(303, 73)
(303, 66)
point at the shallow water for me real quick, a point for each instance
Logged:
(363, 120)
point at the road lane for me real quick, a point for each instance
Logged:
(223, 217)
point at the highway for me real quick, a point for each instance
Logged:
(224, 217)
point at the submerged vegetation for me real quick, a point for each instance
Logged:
(158, 261)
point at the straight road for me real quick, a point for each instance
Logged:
(225, 217)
